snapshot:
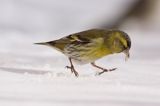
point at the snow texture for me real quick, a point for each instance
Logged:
(32, 75)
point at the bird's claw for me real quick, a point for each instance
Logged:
(73, 70)
(106, 70)
(68, 67)
(76, 73)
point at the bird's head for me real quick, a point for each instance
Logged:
(119, 42)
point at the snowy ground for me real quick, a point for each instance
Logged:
(32, 75)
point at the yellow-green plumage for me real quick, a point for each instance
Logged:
(88, 46)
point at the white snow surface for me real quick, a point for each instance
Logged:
(32, 75)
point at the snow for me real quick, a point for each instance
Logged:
(41, 79)
(32, 75)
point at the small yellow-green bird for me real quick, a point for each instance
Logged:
(90, 45)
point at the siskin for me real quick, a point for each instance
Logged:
(88, 46)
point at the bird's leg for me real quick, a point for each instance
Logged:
(72, 68)
(103, 69)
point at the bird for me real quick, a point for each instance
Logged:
(90, 45)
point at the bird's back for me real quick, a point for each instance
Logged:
(78, 38)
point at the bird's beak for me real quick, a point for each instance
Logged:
(126, 52)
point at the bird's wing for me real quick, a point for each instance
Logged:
(71, 39)
(84, 37)
(87, 36)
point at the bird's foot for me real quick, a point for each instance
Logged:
(73, 70)
(106, 70)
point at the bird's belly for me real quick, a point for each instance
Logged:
(87, 56)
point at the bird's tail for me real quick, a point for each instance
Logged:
(41, 43)
(52, 44)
